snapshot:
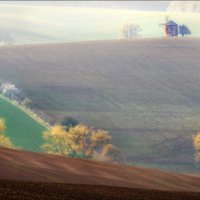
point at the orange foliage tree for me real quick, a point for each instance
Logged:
(79, 142)
(4, 141)
(196, 144)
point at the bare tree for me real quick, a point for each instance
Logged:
(8, 89)
(129, 30)
(6, 39)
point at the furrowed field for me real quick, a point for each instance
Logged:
(145, 92)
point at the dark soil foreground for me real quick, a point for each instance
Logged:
(36, 190)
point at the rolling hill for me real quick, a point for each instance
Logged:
(25, 132)
(27, 166)
(31, 24)
(145, 92)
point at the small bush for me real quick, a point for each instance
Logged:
(68, 122)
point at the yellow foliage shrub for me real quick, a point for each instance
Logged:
(196, 143)
(4, 141)
(2, 126)
(79, 142)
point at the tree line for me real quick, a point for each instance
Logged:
(130, 30)
(71, 139)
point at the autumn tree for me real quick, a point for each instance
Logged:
(4, 141)
(196, 144)
(129, 30)
(79, 142)
(28, 103)
(109, 153)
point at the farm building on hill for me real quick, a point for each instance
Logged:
(171, 29)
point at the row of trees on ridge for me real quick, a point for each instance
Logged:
(130, 30)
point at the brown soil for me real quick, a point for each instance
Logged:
(10, 190)
(29, 166)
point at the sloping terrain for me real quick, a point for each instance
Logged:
(24, 131)
(26, 166)
(33, 24)
(145, 92)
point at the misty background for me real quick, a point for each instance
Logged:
(133, 5)
(31, 22)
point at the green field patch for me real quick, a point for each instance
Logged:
(24, 131)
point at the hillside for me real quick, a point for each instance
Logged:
(29, 24)
(145, 92)
(26, 166)
(25, 132)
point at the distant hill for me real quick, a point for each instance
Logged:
(31, 24)
(132, 5)
(145, 92)
(184, 6)
(27, 166)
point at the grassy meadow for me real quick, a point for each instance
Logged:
(24, 132)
